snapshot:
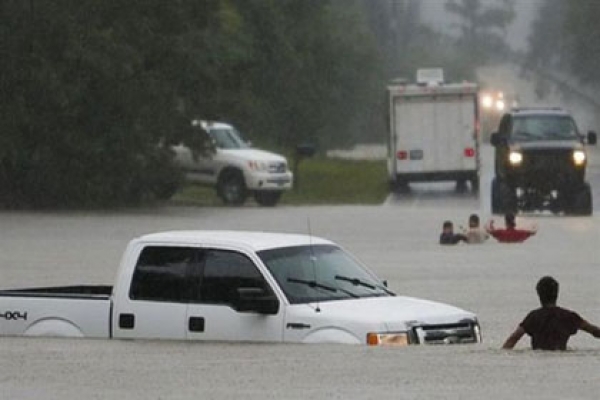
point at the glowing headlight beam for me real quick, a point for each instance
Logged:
(487, 101)
(579, 157)
(515, 158)
(500, 105)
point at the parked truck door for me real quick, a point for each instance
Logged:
(214, 312)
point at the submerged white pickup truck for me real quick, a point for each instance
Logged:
(237, 286)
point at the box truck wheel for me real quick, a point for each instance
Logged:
(475, 184)
(399, 186)
(461, 185)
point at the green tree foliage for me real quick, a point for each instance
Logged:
(583, 40)
(566, 38)
(547, 40)
(482, 28)
(93, 92)
(407, 44)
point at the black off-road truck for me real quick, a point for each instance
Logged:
(540, 163)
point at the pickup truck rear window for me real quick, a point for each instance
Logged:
(161, 274)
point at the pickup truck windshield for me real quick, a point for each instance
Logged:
(544, 127)
(312, 273)
(227, 138)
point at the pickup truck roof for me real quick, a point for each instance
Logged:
(524, 111)
(257, 241)
(211, 124)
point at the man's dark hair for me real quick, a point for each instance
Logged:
(547, 290)
(509, 220)
(447, 224)
(474, 220)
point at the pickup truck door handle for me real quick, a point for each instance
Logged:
(196, 324)
(297, 325)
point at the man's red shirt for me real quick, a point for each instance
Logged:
(510, 235)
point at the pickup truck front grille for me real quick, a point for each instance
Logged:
(548, 170)
(277, 167)
(461, 333)
(548, 161)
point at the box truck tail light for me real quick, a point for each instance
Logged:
(402, 155)
(469, 152)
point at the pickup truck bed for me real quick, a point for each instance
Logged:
(78, 311)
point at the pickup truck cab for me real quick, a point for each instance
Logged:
(233, 167)
(237, 286)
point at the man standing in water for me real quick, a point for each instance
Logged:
(510, 234)
(550, 326)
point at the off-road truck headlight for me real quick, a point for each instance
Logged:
(579, 157)
(515, 158)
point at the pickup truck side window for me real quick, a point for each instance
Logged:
(224, 273)
(161, 274)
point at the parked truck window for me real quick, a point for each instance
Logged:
(160, 274)
(224, 273)
(227, 138)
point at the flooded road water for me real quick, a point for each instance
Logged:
(398, 241)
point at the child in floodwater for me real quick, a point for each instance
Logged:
(475, 234)
(448, 236)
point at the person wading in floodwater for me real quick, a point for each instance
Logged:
(550, 326)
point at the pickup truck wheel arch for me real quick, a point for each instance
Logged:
(53, 327)
(332, 335)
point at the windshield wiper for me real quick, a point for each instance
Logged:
(358, 282)
(315, 284)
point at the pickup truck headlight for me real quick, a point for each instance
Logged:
(579, 157)
(515, 158)
(388, 339)
(258, 165)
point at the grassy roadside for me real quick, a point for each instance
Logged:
(321, 181)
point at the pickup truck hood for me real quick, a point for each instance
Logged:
(252, 155)
(548, 144)
(395, 312)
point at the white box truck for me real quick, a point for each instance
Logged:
(433, 132)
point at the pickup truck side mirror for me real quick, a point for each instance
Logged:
(592, 138)
(255, 299)
(498, 139)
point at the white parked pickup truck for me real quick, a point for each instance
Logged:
(234, 168)
(237, 286)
